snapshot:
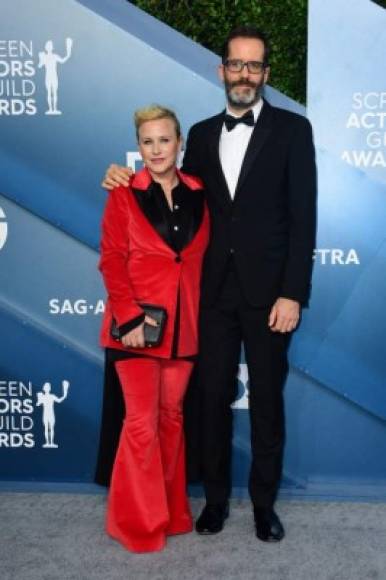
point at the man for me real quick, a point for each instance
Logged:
(257, 164)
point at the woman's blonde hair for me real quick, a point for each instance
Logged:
(152, 113)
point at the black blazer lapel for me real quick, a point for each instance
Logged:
(217, 173)
(154, 211)
(154, 206)
(262, 130)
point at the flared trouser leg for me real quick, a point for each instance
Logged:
(172, 443)
(147, 491)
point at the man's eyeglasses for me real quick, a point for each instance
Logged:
(236, 65)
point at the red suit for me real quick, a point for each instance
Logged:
(141, 263)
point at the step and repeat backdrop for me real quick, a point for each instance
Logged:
(71, 75)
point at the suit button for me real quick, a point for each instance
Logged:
(178, 259)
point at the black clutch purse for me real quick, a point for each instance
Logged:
(153, 334)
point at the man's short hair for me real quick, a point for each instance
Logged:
(153, 113)
(246, 32)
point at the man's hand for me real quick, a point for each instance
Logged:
(135, 338)
(284, 315)
(117, 175)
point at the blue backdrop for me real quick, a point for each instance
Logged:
(107, 58)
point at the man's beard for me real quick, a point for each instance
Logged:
(245, 98)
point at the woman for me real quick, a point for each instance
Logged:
(154, 235)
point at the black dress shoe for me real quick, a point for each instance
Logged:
(268, 526)
(211, 520)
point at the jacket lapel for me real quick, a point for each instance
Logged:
(221, 191)
(153, 205)
(261, 132)
(154, 211)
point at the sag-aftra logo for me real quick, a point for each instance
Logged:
(24, 67)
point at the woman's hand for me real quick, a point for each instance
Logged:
(135, 338)
(117, 175)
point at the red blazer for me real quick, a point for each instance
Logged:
(139, 266)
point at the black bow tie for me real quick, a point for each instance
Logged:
(231, 122)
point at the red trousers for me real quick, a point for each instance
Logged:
(147, 499)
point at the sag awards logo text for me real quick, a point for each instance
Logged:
(20, 408)
(368, 115)
(20, 62)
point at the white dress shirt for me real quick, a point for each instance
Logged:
(233, 146)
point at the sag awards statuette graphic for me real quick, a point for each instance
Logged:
(19, 77)
(47, 400)
(3, 229)
(49, 59)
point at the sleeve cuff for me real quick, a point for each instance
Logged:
(130, 325)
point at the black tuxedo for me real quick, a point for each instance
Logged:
(270, 225)
(260, 248)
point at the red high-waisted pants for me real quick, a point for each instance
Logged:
(147, 499)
